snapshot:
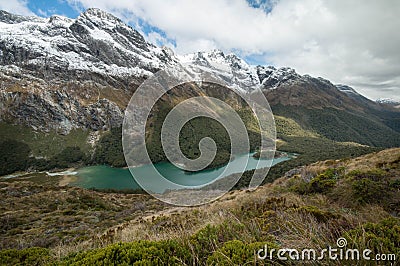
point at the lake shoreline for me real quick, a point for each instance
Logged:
(67, 179)
(106, 177)
(73, 176)
(65, 176)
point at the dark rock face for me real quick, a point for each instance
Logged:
(57, 110)
(13, 18)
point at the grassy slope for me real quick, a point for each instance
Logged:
(343, 126)
(309, 209)
(36, 211)
(310, 147)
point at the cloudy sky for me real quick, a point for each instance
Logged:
(346, 41)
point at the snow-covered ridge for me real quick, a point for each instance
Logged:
(60, 74)
(388, 101)
(97, 42)
(346, 89)
(240, 74)
(230, 68)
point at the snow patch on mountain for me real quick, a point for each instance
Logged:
(346, 89)
(388, 101)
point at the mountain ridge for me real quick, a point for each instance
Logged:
(62, 74)
(95, 24)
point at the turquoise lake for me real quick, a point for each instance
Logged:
(106, 177)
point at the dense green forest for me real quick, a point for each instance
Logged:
(15, 156)
(195, 130)
(109, 149)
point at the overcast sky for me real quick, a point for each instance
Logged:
(346, 41)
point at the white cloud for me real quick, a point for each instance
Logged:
(16, 6)
(353, 42)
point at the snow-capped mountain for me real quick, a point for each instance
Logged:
(98, 43)
(95, 42)
(238, 73)
(230, 68)
(59, 73)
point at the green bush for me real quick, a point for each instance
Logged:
(382, 237)
(136, 253)
(318, 214)
(238, 253)
(30, 256)
(360, 187)
(211, 237)
(298, 185)
(14, 156)
(367, 191)
(370, 186)
(323, 182)
(395, 184)
(373, 174)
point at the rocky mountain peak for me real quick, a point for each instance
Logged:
(96, 18)
(346, 89)
(10, 18)
(60, 20)
(216, 53)
(98, 13)
(271, 77)
(229, 67)
(95, 43)
(388, 101)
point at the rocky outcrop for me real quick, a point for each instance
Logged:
(55, 109)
